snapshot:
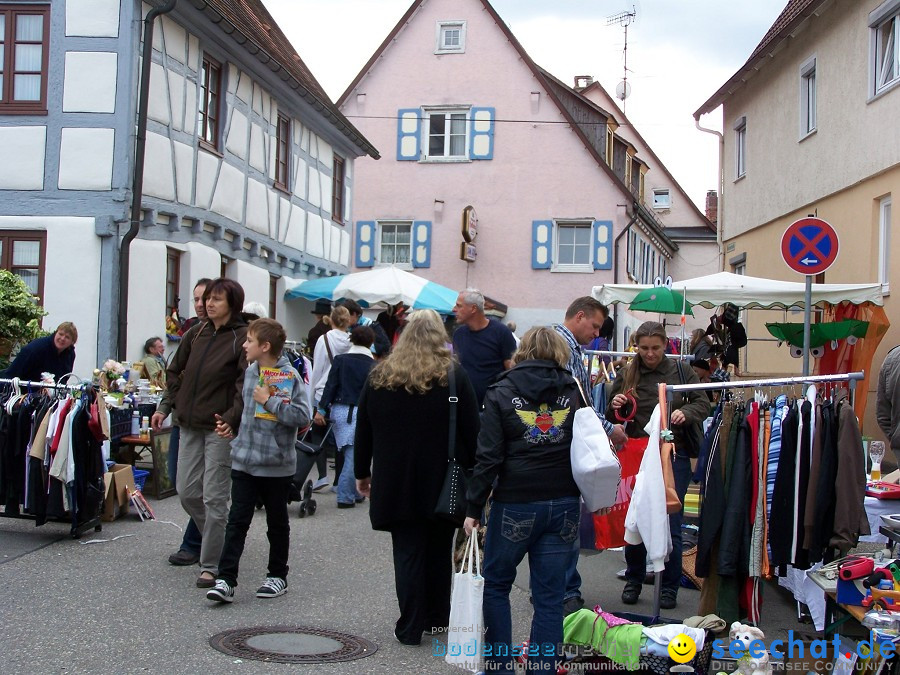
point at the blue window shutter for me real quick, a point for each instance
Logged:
(481, 133)
(408, 125)
(603, 241)
(365, 243)
(541, 244)
(421, 243)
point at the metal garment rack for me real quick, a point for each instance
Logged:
(76, 530)
(850, 378)
(596, 352)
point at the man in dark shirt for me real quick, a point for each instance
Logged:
(484, 347)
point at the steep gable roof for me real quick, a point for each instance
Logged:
(540, 75)
(794, 14)
(249, 23)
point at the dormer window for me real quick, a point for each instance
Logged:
(661, 199)
(451, 37)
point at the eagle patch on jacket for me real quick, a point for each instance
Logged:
(544, 423)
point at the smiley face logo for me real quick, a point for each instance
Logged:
(682, 648)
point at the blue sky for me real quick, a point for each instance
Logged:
(679, 53)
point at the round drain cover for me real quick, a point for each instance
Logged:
(292, 644)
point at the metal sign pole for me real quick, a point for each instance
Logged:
(807, 315)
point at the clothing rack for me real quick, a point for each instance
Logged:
(76, 530)
(596, 352)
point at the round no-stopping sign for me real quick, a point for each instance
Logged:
(809, 246)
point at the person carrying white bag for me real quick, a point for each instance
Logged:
(465, 634)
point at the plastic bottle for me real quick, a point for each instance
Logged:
(145, 428)
(135, 423)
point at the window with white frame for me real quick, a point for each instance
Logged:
(661, 198)
(451, 37)
(740, 147)
(644, 262)
(447, 133)
(808, 97)
(395, 243)
(574, 249)
(884, 23)
(884, 241)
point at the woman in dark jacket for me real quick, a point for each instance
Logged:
(401, 452)
(53, 354)
(641, 379)
(345, 383)
(526, 433)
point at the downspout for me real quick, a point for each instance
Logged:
(137, 186)
(719, 189)
(634, 217)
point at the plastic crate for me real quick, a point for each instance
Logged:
(140, 477)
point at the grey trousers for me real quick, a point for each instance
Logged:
(204, 486)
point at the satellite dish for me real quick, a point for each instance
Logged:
(623, 90)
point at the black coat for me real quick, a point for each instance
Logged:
(401, 442)
(40, 356)
(346, 379)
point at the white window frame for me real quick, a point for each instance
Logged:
(884, 242)
(808, 98)
(662, 199)
(740, 148)
(426, 133)
(888, 13)
(379, 229)
(587, 224)
(441, 29)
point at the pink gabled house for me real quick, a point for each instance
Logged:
(471, 121)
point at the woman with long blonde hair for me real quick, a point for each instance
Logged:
(401, 456)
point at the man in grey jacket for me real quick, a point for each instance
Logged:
(887, 410)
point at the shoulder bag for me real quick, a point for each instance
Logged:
(451, 503)
(688, 436)
(595, 467)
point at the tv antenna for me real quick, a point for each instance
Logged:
(624, 19)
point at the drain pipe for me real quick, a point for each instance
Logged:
(137, 187)
(720, 187)
(634, 217)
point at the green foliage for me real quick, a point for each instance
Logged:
(20, 314)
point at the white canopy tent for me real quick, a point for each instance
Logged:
(746, 292)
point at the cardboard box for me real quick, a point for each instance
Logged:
(118, 484)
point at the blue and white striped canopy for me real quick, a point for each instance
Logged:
(388, 285)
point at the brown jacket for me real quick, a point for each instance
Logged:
(206, 375)
(850, 520)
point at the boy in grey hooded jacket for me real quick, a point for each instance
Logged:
(263, 459)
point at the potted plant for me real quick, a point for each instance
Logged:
(20, 314)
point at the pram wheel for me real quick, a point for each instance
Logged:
(307, 503)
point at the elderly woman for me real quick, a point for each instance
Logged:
(526, 433)
(640, 379)
(54, 354)
(401, 458)
(205, 382)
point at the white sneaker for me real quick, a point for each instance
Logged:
(221, 592)
(272, 587)
(321, 483)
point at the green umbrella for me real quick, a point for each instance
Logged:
(819, 333)
(661, 299)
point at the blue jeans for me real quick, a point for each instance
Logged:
(636, 556)
(192, 539)
(545, 531)
(346, 487)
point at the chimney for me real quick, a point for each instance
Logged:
(712, 206)
(583, 82)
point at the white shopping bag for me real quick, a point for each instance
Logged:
(595, 467)
(465, 635)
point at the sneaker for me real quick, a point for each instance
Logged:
(408, 643)
(346, 505)
(183, 558)
(668, 598)
(221, 592)
(272, 587)
(321, 484)
(631, 593)
(572, 605)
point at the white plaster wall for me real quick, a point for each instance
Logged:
(72, 247)
(228, 200)
(284, 213)
(299, 177)
(254, 280)
(315, 187)
(257, 148)
(146, 295)
(158, 100)
(175, 38)
(201, 262)
(86, 159)
(345, 247)
(244, 87)
(184, 171)
(92, 18)
(176, 99)
(257, 209)
(325, 182)
(315, 243)
(28, 146)
(158, 178)
(90, 82)
(236, 141)
(296, 233)
(207, 168)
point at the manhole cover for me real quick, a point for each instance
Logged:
(292, 644)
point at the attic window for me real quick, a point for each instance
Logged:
(661, 198)
(451, 37)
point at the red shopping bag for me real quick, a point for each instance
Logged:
(609, 526)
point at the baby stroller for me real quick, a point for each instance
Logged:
(308, 450)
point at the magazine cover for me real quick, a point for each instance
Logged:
(280, 383)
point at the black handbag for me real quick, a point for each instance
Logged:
(451, 504)
(688, 436)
